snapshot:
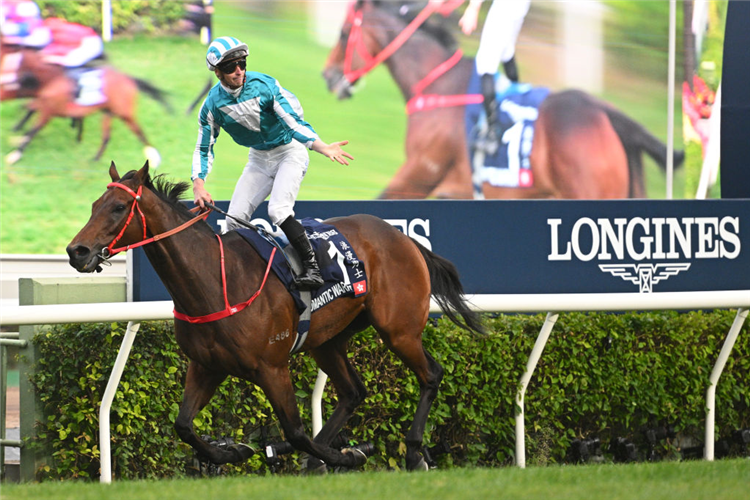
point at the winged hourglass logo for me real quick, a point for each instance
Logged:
(645, 275)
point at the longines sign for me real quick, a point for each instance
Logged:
(547, 246)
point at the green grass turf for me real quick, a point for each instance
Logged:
(725, 480)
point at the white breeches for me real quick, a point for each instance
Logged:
(278, 172)
(499, 34)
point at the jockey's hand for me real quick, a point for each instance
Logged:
(200, 195)
(468, 21)
(333, 151)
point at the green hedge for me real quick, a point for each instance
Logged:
(601, 375)
(144, 16)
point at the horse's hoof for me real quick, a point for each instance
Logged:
(358, 456)
(153, 157)
(241, 451)
(316, 466)
(13, 157)
(419, 466)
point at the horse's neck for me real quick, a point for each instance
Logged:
(416, 59)
(182, 259)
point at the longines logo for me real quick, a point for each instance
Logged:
(644, 275)
(645, 239)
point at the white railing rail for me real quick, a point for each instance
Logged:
(135, 312)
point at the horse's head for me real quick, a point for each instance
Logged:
(114, 219)
(351, 52)
(372, 32)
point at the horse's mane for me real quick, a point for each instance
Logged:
(170, 192)
(436, 27)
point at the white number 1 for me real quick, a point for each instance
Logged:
(334, 253)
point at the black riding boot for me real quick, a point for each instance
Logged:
(511, 70)
(310, 278)
(490, 108)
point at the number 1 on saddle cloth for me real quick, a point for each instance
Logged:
(503, 163)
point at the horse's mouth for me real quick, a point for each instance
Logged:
(84, 261)
(338, 84)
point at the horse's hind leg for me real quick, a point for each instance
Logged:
(332, 359)
(152, 154)
(106, 133)
(429, 374)
(277, 386)
(200, 385)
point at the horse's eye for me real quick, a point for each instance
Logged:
(120, 208)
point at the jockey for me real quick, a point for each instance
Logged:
(22, 24)
(497, 45)
(258, 113)
(73, 45)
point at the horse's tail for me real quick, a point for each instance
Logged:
(636, 139)
(449, 292)
(155, 93)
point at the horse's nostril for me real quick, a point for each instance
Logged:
(78, 251)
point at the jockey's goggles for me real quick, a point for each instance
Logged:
(229, 66)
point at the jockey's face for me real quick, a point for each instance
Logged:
(236, 76)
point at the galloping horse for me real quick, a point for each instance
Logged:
(583, 148)
(54, 94)
(254, 343)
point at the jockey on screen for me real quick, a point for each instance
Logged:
(73, 45)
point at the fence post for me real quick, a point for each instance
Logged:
(39, 291)
(3, 388)
(30, 407)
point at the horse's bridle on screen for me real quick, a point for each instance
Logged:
(418, 102)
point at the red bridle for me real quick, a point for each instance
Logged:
(110, 250)
(228, 310)
(419, 102)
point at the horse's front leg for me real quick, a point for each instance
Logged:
(332, 359)
(277, 386)
(200, 386)
(18, 126)
(17, 153)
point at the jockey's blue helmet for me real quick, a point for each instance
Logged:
(222, 49)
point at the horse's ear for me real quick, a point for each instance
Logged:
(142, 174)
(113, 172)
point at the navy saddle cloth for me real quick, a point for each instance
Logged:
(517, 106)
(343, 272)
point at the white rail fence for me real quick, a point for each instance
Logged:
(135, 312)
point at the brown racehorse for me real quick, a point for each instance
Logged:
(583, 148)
(254, 344)
(54, 94)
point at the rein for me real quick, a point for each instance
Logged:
(228, 310)
(110, 251)
(418, 102)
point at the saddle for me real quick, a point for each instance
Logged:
(343, 273)
(89, 82)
